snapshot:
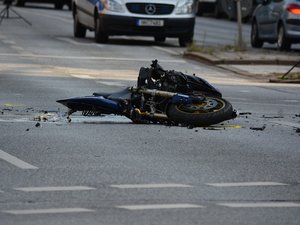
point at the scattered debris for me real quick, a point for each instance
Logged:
(297, 115)
(245, 113)
(46, 116)
(272, 117)
(213, 128)
(222, 127)
(27, 129)
(298, 130)
(38, 125)
(258, 128)
(190, 127)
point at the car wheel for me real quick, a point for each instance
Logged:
(59, 5)
(79, 29)
(185, 40)
(217, 10)
(255, 41)
(100, 35)
(160, 38)
(283, 43)
(20, 3)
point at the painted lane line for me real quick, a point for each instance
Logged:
(15, 161)
(91, 58)
(47, 211)
(129, 186)
(246, 184)
(166, 50)
(261, 205)
(159, 206)
(71, 41)
(285, 123)
(45, 189)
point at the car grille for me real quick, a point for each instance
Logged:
(155, 9)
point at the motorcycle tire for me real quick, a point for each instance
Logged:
(212, 111)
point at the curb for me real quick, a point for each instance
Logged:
(225, 64)
(213, 60)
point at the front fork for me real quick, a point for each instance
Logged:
(175, 98)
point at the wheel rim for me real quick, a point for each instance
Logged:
(253, 32)
(280, 37)
(210, 105)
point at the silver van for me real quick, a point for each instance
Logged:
(157, 18)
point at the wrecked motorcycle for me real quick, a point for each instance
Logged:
(161, 96)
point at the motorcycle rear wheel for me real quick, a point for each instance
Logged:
(212, 111)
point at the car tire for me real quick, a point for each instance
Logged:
(255, 41)
(79, 29)
(20, 3)
(160, 38)
(100, 35)
(185, 40)
(58, 5)
(283, 43)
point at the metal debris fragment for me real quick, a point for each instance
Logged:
(245, 113)
(258, 128)
(272, 117)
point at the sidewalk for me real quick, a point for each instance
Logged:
(263, 64)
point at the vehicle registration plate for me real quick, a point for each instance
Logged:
(150, 23)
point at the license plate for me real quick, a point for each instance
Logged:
(150, 23)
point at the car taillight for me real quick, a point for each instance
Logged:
(294, 8)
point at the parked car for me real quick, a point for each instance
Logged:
(157, 18)
(276, 21)
(58, 4)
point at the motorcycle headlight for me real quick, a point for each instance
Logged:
(185, 7)
(113, 5)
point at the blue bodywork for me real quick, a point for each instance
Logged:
(98, 103)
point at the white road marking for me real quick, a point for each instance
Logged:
(285, 123)
(15, 161)
(246, 184)
(47, 211)
(71, 41)
(91, 58)
(41, 189)
(166, 50)
(128, 186)
(82, 76)
(261, 205)
(159, 206)
(17, 47)
(291, 100)
(111, 83)
(9, 42)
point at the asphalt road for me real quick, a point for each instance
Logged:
(109, 171)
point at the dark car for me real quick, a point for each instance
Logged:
(276, 21)
(58, 4)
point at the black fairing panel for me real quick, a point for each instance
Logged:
(199, 84)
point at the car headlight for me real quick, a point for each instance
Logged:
(113, 5)
(185, 7)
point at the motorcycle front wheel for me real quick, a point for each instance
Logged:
(211, 111)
